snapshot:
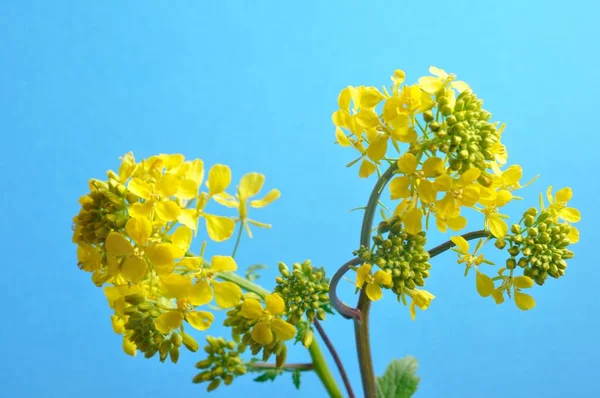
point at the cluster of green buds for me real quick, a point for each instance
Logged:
(223, 363)
(539, 246)
(141, 320)
(104, 209)
(465, 134)
(305, 291)
(400, 253)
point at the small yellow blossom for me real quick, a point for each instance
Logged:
(250, 186)
(374, 282)
(440, 78)
(268, 323)
(421, 299)
(226, 294)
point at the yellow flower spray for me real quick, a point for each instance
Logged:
(442, 156)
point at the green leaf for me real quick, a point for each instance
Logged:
(296, 378)
(268, 375)
(252, 271)
(399, 379)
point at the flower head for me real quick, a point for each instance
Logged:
(374, 282)
(250, 186)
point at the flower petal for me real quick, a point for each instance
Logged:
(413, 221)
(433, 167)
(377, 149)
(251, 184)
(219, 178)
(462, 244)
(168, 321)
(118, 245)
(262, 334)
(374, 292)
(274, 304)
(188, 189)
(129, 346)
(523, 282)
(282, 329)
(176, 286)
(570, 214)
(524, 301)
(366, 169)
(251, 309)
(223, 264)
(407, 163)
(167, 185)
(399, 187)
(564, 195)
(219, 228)
(162, 256)
(573, 235)
(139, 188)
(227, 294)
(181, 239)
(200, 320)
(167, 211)
(273, 195)
(139, 229)
(484, 284)
(140, 209)
(383, 277)
(201, 293)
(133, 269)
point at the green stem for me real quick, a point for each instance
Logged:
(243, 283)
(322, 370)
(361, 325)
(239, 238)
(258, 366)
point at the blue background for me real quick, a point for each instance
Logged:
(253, 85)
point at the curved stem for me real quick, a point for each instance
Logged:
(346, 311)
(361, 326)
(322, 370)
(439, 249)
(237, 241)
(336, 358)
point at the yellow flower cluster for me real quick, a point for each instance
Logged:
(133, 234)
(442, 155)
(454, 156)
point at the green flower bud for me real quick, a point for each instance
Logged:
(511, 263)
(427, 116)
(308, 337)
(213, 385)
(189, 342)
(174, 354)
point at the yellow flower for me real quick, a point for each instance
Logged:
(432, 84)
(421, 299)
(558, 205)
(171, 320)
(268, 323)
(494, 222)
(463, 191)
(250, 185)
(134, 260)
(445, 218)
(226, 294)
(374, 282)
(463, 249)
(413, 179)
